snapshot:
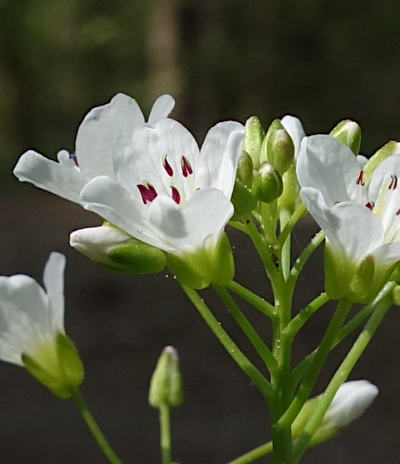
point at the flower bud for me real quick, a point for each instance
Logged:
(212, 264)
(277, 147)
(58, 366)
(166, 386)
(267, 184)
(243, 200)
(390, 148)
(349, 403)
(348, 132)
(245, 169)
(114, 249)
(253, 139)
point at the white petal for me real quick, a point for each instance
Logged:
(387, 254)
(99, 131)
(113, 202)
(199, 221)
(61, 179)
(361, 160)
(161, 108)
(350, 401)
(351, 229)
(142, 160)
(95, 241)
(219, 156)
(330, 166)
(295, 129)
(53, 279)
(382, 175)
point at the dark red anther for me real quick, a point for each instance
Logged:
(186, 167)
(398, 212)
(147, 191)
(167, 167)
(393, 182)
(74, 159)
(370, 205)
(176, 195)
(360, 178)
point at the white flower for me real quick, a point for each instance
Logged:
(97, 135)
(30, 317)
(295, 129)
(166, 192)
(32, 328)
(361, 222)
(349, 403)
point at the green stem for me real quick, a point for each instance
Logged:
(284, 242)
(165, 434)
(94, 428)
(256, 301)
(288, 226)
(230, 346)
(254, 338)
(304, 315)
(304, 257)
(340, 376)
(318, 360)
(238, 226)
(254, 454)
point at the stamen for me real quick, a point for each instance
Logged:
(186, 167)
(393, 182)
(398, 212)
(176, 195)
(147, 191)
(370, 205)
(74, 159)
(167, 167)
(360, 178)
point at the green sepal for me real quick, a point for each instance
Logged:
(388, 149)
(166, 385)
(57, 366)
(348, 132)
(253, 138)
(209, 265)
(290, 198)
(362, 282)
(135, 257)
(244, 171)
(267, 183)
(243, 200)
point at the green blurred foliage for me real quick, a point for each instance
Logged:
(322, 61)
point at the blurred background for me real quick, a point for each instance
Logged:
(227, 59)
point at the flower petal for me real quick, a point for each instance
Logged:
(161, 108)
(295, 129)
(142, 160)
(387, 254)
(351, 229)
(219, 156)
(330, 166)
(197, 223)
(53, 279)
(113, 202)
(63, 179)
(99, 131)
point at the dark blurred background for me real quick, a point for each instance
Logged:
(322, 61)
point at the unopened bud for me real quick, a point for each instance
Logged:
(267, 184)
(244, 171)
(114, 249)
(166, 386)
(348, 132)
(253, 138)
(390, 148)
(277, 147)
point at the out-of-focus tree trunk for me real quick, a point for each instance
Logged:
(162, 40)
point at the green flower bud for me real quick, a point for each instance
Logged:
(348, 132)
(245, 169)
(57, 367)
(267, 184)
(266, 156)
(114, 249)
(253, 139)
(390, 148)
(166, 386)
(243, 200)
(290, 198)
(209, 265)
